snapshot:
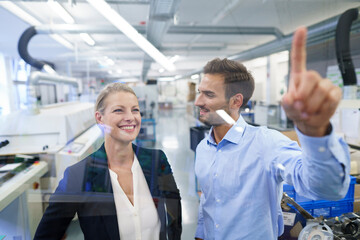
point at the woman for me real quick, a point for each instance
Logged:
(121, 191)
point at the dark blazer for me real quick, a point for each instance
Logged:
(86, 190)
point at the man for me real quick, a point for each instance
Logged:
(241, 168)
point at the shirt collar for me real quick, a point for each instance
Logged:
(234, 134)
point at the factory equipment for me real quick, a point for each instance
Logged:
(57, 136)
(315, 227)
(20, 195)
(343, 53)
(343, 227)
(58, 130)
(147, 96)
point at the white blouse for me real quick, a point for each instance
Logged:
(139, 221)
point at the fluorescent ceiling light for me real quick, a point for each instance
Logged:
(174, 58)
(86, 37)
(62, 41)
(120, 23)
(61, 11)
(129, 80)
(110, 62)
(106, 61)
(20, 13)
(195, 76)
(166, 79)
(11, 7)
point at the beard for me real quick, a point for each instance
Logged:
(213, 119)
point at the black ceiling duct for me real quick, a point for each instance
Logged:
(23, 49)
(342, 46)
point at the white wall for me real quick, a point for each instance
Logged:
(270, 74)
(7, 90)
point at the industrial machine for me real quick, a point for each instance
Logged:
(48, 139)
(58, 136)
(306, 227)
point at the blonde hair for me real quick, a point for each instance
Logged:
(109, 89)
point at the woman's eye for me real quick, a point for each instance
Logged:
(136, 110)
(118, 110)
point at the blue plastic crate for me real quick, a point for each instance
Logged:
(323, 207)
(290, 191)
(328, 208)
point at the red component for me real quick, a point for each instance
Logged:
(156, 201)
(35, 185)
(143, 23)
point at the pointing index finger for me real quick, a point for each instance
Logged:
(298, 55)
(298, 51)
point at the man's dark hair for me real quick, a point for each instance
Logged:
(237, 79)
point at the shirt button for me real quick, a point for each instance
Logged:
(217, 225)
(321, 149)
(216, 175)
(217, 200)
(135, 214)
(220, 150)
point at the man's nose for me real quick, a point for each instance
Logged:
(198, 101)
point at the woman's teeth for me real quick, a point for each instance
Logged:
(127, 128)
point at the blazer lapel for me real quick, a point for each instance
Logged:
(98, 181)
(145, 161)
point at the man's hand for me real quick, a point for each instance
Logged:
(311, 100)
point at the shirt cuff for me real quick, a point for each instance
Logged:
(316, 147)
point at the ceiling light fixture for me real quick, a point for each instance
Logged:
(106, 61)
(87, 38)
(174, 58)
(110, 62)
(166, 79)
(195, 76)
(61, 11)
(11, 7)
(26, 17)
(120, 23)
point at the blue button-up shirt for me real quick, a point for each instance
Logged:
(241, 179)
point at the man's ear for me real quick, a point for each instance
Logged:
(236, 101)
(98, 117)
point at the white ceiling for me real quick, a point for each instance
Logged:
(194, 49)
